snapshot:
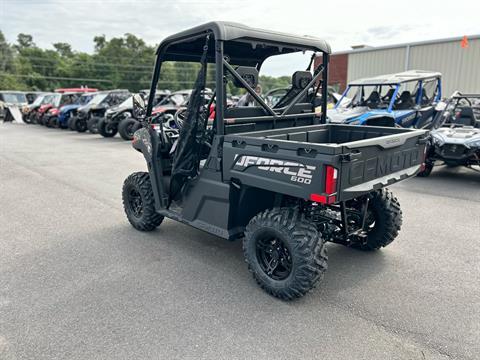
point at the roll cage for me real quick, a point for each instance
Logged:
(230, 45)
(395, 81)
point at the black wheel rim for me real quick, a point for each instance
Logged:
(135, 202)
(273, 256)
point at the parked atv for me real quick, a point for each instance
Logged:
(29, 111)
(90, 114)
(68, 111)
(387, 100)
(164, 110)
(109, 125)
(51, 116)
(47, 104)
(10, 100)
(456, 142)
(280, 178)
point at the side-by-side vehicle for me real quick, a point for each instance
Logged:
(456, 139)
(406, 99)
(278, 177)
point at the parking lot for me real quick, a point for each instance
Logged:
(77, 281)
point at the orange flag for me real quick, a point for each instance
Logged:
(464, 43)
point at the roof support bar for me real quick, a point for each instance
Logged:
(302, 93)
(252, 92)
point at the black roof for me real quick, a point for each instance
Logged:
(242, 44)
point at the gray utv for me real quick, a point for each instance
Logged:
(279, 178)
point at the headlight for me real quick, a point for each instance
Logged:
(356, 122)
(473, 144)
(437, 140)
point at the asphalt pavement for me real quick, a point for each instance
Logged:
(78, 282)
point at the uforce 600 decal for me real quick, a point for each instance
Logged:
(297, 172)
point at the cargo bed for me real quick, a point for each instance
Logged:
(297, 159)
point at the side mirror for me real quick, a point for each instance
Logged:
(139, 107)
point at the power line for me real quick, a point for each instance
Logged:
(40, 77)
(55, 77)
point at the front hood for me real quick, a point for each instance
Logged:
(117, 109)
(67, 108)
(457, 136)
(342, 115)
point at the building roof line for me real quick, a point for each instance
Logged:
(403, 45)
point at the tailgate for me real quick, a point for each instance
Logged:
(374, 163)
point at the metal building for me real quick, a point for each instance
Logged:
(456, 58)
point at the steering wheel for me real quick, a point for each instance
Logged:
(179, 117)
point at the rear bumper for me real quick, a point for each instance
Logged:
(380, 182)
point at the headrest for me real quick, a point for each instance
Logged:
(374, 96)
(406, 95)
(249, 74)
(300, 79)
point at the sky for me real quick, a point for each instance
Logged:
(341, 23)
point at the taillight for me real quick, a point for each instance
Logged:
(330, 180)
(329, 195)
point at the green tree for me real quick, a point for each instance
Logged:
(25, 41)
(63, 49)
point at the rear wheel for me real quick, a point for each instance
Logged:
(384, 221)
(127, 128)
(107, 129)
(92, 124)
(138, 202)
(285, 253)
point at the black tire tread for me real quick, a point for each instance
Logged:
(150, 219)
(308, 250)
(122, 128)
(390, 223)
(102, 129)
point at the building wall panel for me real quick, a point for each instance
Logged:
(376, 62)
(460, 67)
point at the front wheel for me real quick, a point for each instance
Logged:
(80, 125)
(53, 122)
(427, 169)
(383, 223)
(107, 129)
(127, 128)
(285, 253)
(139, 203)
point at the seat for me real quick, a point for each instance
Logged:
(373, 100)
(465, 117)
(300, 80)
(405, 101)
